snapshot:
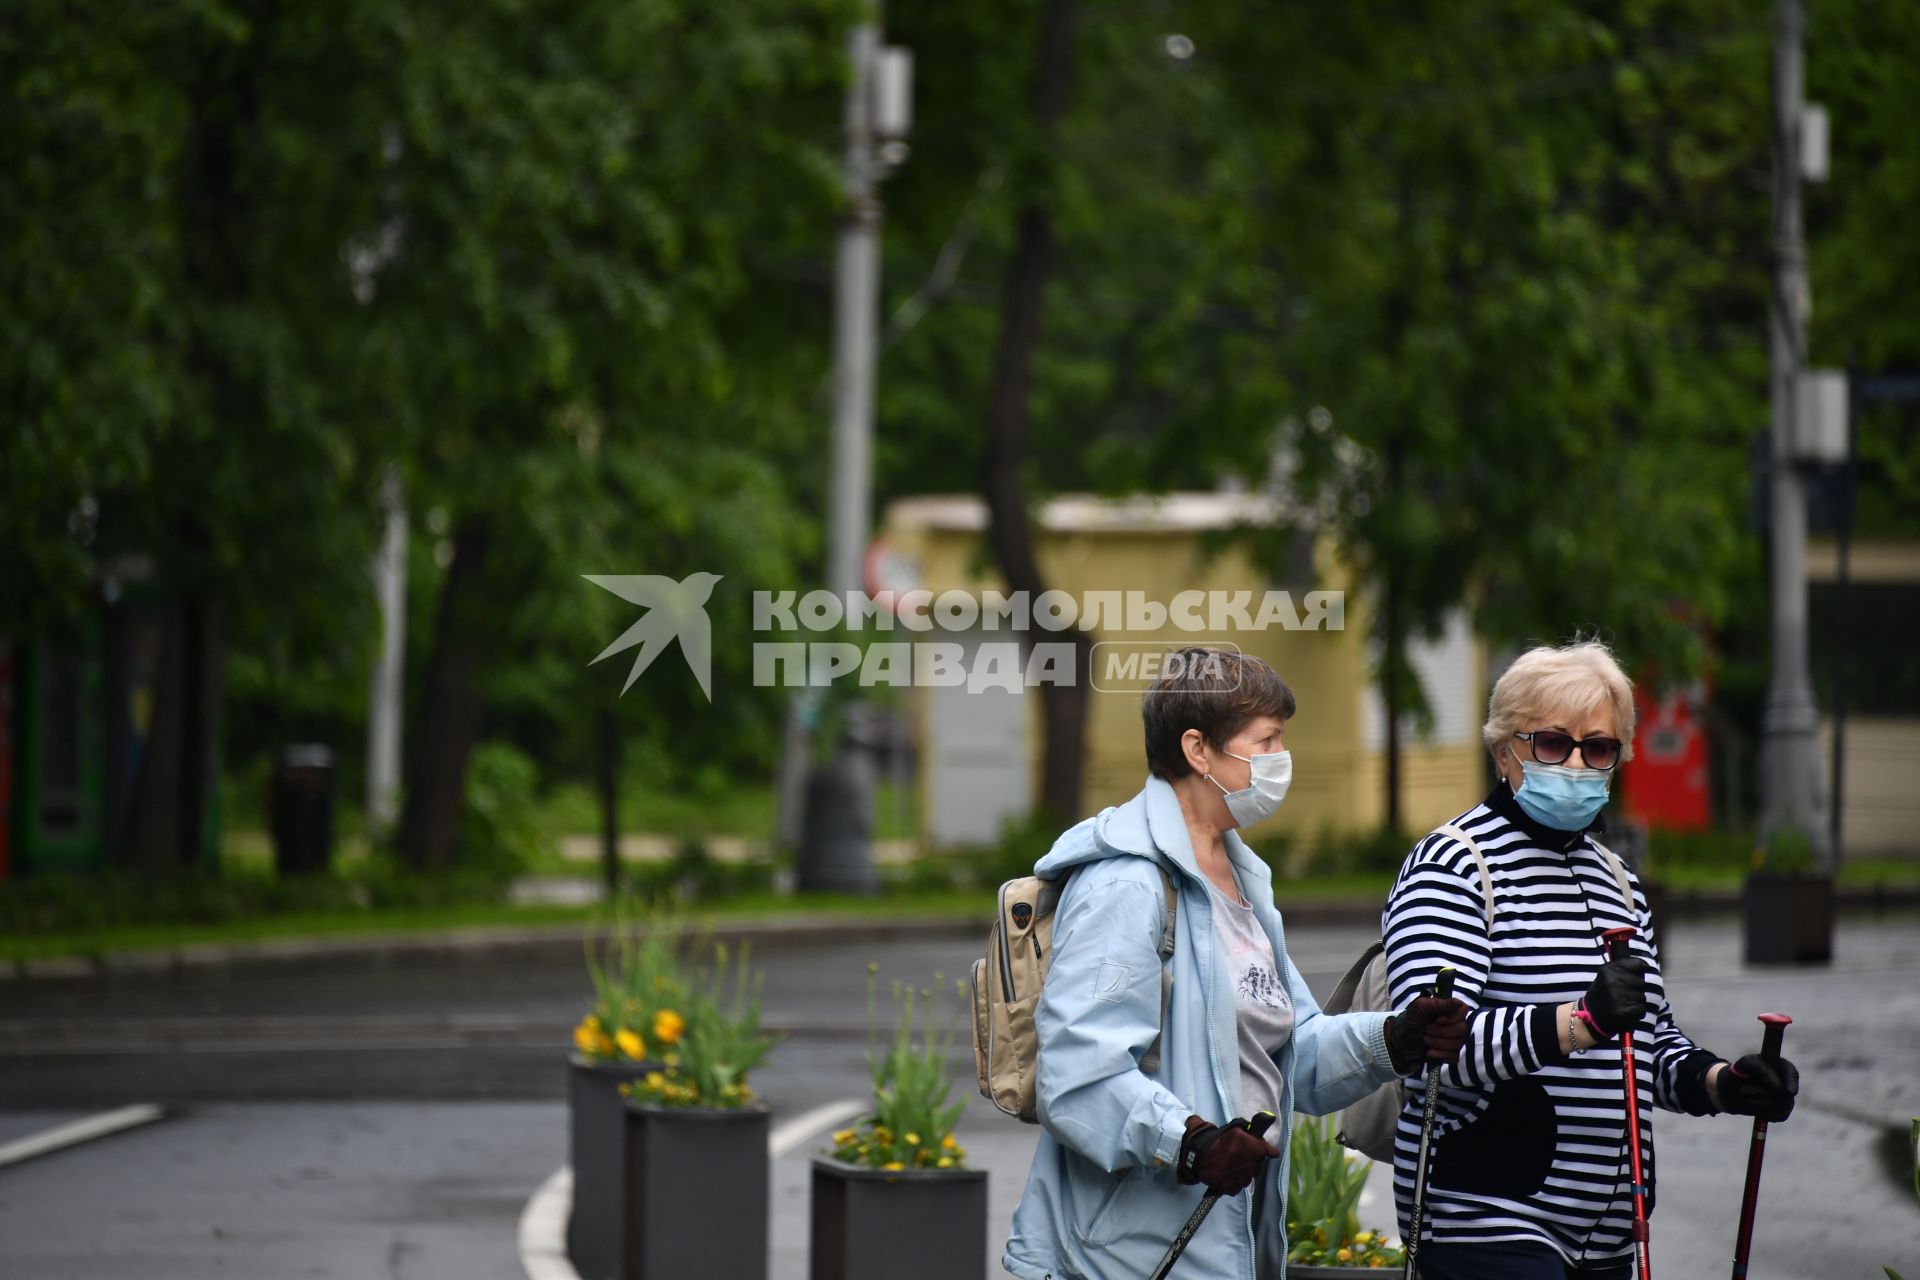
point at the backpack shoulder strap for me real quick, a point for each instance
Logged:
(1480, 862)
(1173, 914)
(1150, 1060)
(1341, 1001)
(1619, 870)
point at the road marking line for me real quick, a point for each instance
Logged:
(543, 1229)
(817, 1121)
(67, 1135)
(543, 1223)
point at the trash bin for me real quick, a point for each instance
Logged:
(836, 841)
(301, 810)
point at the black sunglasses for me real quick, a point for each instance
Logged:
(1551, 746)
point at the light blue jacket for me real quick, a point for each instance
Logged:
(1102, 1201)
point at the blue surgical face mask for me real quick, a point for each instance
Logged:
(1268, 780)
(1563, 798)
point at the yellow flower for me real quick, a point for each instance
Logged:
(912, 1139)
(584, 1037)
(602, 1045)
(1365, 1237)
(1376, 1261)
(667, 1026)
(843, 1137)
(630, 1043)
(656, 1079)
(944, 1162)
(882, 1134)
(1345, 1255)
(949, 1142)
(893, 1166)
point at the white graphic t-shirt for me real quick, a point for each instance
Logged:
(1265, 1010)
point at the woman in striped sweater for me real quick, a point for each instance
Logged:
(1530, 1175)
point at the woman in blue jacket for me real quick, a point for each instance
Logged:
(1131, 1138)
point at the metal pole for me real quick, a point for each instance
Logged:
(856, 309)
(844, 857)
(1837, 787)
(389, 664)
(1790, 728)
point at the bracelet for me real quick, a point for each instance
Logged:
(1573, 1031)
(1585, 1015)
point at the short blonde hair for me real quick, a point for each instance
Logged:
(1548, 680)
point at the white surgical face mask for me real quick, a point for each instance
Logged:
(1271, 775)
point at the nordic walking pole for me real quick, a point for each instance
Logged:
(1257, 1127)
(1617, 949)
(1443, 990)
(1769, 1049)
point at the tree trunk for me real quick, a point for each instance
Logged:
(167, 824)
(608, 770)
(165, 829)
(450, 707)
(1392, 653)
(1009, 530)
(1393, 624)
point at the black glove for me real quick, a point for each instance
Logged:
(1225, 1157)
(1430, 1029)
(1763, 1088)
(1618, 997)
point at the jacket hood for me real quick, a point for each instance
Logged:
(1149, 826)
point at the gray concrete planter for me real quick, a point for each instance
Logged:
(872, 1224)
(597, 1150)
(697, 1193)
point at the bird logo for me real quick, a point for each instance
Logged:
(675, 610)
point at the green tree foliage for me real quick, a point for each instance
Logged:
(1485, 284)
(537, 258)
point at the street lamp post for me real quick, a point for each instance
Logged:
(835, 851)
(1801, 418)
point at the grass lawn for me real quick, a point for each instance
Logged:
(1864, 872)
(247, 854)
(571, 808)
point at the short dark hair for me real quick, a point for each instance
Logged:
(1217, 691)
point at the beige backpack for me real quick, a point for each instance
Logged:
(1368, 1125)
(1006, 989)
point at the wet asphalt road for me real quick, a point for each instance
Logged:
(393, 1122)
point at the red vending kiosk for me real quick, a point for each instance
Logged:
(1668, 790)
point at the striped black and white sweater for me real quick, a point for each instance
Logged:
(1531, 1142)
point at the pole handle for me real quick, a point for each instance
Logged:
(1616, 940)
(1775, 1034)
(1261, 1122)
(1443, 984)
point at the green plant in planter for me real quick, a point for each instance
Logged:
(640, 991)
(911, 1126)
(1787, 852)
(719, 1044)
(1324, 1182)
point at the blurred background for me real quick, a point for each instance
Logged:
(341, 340)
